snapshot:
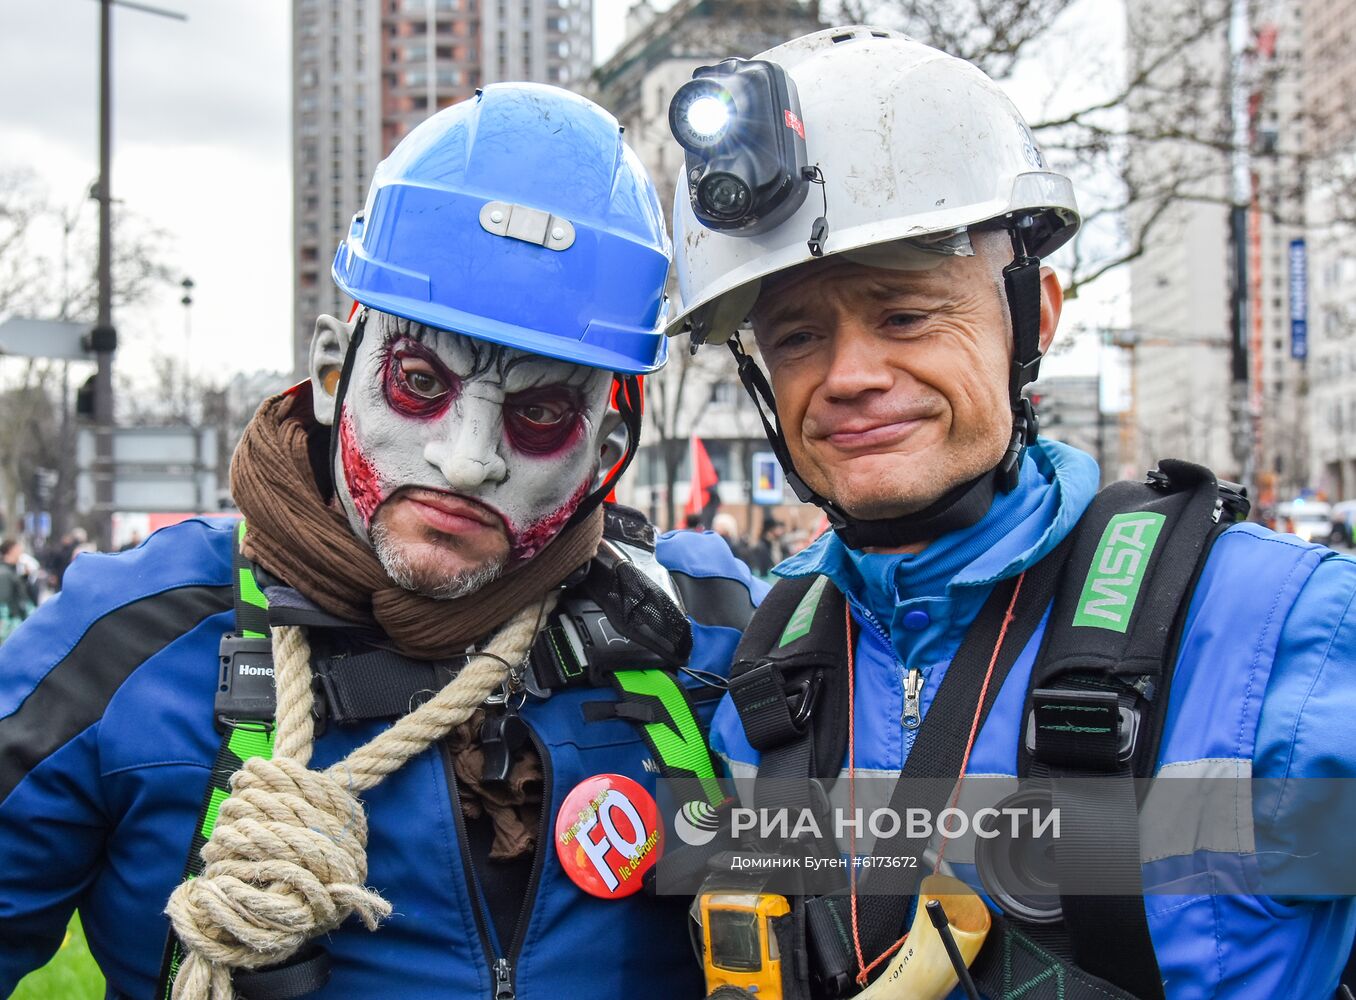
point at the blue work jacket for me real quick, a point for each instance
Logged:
(106, 741)
(1265, 687)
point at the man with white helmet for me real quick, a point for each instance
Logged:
(876, 212)
(398, 732)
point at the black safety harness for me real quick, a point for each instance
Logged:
(1094, 708)
(614, 627)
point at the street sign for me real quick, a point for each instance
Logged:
(767, 479)
(165, 469)
(1299, 301)
(44, 338)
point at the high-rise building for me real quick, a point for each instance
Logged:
(1179, 285)
(1182, 299)
(1277, 360)
(364, 72)
(1328, 77)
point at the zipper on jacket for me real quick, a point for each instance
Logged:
(533, 879)
(483, 922)
(502, 965)
(911, 718)
(911, 678)
(503, 980)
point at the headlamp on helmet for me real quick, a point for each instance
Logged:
(740, 123)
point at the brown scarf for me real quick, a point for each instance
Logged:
(299, 537)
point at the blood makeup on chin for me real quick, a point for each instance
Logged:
(528, 542)
(416, 382)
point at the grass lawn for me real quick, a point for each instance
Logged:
(70, 975)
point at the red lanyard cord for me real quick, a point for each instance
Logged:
(852, 773)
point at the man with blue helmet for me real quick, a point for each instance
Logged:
(400, 730)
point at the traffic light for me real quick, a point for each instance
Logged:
(84, 399)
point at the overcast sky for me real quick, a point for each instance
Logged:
(201, 150)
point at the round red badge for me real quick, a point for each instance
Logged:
(608, 835)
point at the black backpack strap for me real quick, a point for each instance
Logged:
(934, 764)
(612, 616)
(1098, 696)
(789, 686)
(1013, 964)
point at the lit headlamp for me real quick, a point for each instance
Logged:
(740, 123)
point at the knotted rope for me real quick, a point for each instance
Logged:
(287, 860)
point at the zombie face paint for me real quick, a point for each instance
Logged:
(459, 458)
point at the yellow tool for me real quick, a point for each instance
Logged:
(739, 946)
(921, 969)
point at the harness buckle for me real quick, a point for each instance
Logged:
(244, 682)
(808, 690)
(771, 712)
(1081, 729)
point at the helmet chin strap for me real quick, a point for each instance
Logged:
(967, 503)
(341, 390)
(629, 406)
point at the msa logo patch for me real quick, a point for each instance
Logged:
(1113, 582)
(804, 615)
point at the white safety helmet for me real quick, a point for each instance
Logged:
(910, 142)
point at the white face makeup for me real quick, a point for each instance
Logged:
(458, 458)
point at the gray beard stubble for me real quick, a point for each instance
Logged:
(404, 575)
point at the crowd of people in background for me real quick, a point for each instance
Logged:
(27, 578)
(773, 543)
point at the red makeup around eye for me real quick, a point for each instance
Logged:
(399, 393)
(558, 427)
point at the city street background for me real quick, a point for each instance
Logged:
(1208, 140)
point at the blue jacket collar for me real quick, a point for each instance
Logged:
(1057, 484)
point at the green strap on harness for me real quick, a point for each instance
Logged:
(251, 606)
(674, 737)
(242, 740)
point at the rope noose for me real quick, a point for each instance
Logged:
(287, 860)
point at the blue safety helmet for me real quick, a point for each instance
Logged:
(518, 217)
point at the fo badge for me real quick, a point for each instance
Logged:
(608, 835)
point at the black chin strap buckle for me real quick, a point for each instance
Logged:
(1023, 373)
(1022, 284)
(1025, 427)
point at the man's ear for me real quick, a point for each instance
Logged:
(329, 344)
(1052, 302)
(612, 442)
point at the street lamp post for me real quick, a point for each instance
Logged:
(187, 302)
(103, 339)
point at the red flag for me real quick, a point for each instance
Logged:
(703, 477)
